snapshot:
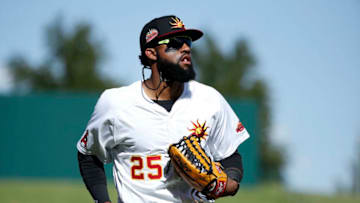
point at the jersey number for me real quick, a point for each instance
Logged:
(136, 169)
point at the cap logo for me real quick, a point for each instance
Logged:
(176, 23)
(151, 34)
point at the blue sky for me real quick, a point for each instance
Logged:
(308, 52)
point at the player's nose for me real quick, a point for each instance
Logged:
(185, 48)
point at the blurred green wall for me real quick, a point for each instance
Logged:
(39, 133)
(247, 111)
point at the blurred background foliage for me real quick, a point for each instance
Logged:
(355, 172)
(72, 64)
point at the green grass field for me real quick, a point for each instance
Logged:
(35, 191)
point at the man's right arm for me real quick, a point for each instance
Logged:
(93, 174)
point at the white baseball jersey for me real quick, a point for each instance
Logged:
(130, 130)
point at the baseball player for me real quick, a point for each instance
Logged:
(134, 126)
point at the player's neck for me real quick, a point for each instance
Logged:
(157, 90)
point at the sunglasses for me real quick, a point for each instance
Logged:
(176, 42)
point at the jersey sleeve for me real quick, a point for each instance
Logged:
(98, 138)
(228, 132)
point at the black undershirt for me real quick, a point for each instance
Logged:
(167, 104)
(93, 174)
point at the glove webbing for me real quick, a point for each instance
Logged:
(193, 148)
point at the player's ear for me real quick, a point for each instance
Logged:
(151, 54)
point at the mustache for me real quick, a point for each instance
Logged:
(182, 56)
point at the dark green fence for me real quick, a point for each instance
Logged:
(39, 133)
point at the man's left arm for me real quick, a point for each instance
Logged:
(234, 169)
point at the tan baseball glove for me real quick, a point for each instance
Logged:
(196, 168)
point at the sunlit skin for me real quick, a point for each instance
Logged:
(182, 58)
(173, 90)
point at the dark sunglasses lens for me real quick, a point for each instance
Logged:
(178, 42)
(185, 40)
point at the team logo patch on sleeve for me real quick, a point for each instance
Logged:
(84, 139)
(240, 127)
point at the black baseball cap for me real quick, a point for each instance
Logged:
(165, 27)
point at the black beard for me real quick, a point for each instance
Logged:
(173, 71)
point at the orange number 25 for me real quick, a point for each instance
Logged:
(138, 166)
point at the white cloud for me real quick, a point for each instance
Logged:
(6, 79)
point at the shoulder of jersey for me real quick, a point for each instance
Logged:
(204, 95)
(121, 95)
(203, 91)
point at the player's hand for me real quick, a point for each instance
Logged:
(231, 187)
(198, 197)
